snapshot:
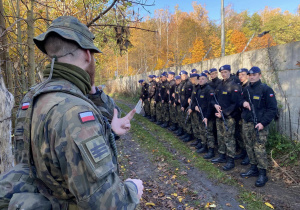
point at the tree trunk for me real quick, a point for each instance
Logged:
(30, 35)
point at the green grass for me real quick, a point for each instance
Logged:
(147, 133)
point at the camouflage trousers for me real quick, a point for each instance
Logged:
(178, 115)
(226, 140)
(207, 137)
(172, 112)
(256, 151)
(147, 107)
(186, 124)
(195, 125)
(152, 107)
(158, 110)
(165, 112)
(239, 134)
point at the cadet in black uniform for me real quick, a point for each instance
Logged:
(180, 123)
(262, 97)
(185, 94)
(151, 96)
(171, 99)
(205, 111)
(228, 95)
(164, 100)
(144, 97)
(158, 106)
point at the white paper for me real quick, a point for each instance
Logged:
(139, 107)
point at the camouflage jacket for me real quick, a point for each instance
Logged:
(71, 150)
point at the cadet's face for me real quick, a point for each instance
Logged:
(202, 80)
(150, 79)
(214, 75)
(194, 80)
(163, 78)
(157, 79)
(183, 77)
(225, 74)
(243, 77)
(178, 81)
(254, 77)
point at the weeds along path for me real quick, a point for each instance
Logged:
(176, 177)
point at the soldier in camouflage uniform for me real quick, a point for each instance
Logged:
(151, 96)
(72, 144)
(226, 100)
(164, 100)
(158, 108)
(178, 106)
(260, 99)
(171, 94)
(144, 97)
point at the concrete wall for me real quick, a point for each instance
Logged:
(280, 60)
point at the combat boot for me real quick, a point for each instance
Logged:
(262, 178)
(229, 165)
(180, 132)
(165, 125)
(253, 171)
(203, 149)
(184, 136)
(188, 138)
(210, 154)
(152, 119)
(242, 155)
(159, 122)
(246, 161)
(171, 127)
(179, 129)
(220, 159)
(199, 145)
(174, 127)
(195, 143)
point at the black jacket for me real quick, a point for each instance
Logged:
(144, 91)
(264, 101)
(177, 88)
(152, 88)
(185, 92)
(214, 83)
(203, 97)
(171, 89)
(194, 103)
(157, 90)
(228, 94)
(163, 91)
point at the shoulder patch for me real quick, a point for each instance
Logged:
(211, 94)
(86, 116)
(236, 91)
(271, 95)
(25, 105)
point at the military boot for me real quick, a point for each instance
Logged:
(242, 155)
(195, 143)
(246, 161)
(159, 123)
(181, 132)
(210, 154)
(253, 171)
(165, 125)
(229, 165)
(220, 159)
(174, 127)
(152, 119)
(203, 149)
(188, 138)
(179, 129)
(262, 178)
(184, 136)
(199, 145)
(171, 127)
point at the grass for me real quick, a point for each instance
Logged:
(147, 133)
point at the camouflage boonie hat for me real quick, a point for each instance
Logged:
(69, 28)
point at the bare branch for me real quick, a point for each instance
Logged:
(134, 27)
(101, 14)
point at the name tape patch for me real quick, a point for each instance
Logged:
(256, 97)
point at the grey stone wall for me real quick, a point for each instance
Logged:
(279, 68)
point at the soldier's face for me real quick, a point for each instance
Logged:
(225, 74)
(163, 78)
(194, 80)
(214, 75)
(183, 76)
(243, 77)
(254, 77)
(202, 80)
(150, 79)
(178, 81)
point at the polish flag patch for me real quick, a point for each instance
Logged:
(211, 94)
(271, 95)
(86, 117)
(236, 91)
(25, 105)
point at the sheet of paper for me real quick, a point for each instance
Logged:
(139, 107)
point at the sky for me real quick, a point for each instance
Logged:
(214, 6)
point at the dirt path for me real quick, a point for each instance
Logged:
(165, 191)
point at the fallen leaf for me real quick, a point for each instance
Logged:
(173, 177)
(180, 198)
(174, 194)
(228, 204)
(169, 198)
(150, 204)
(242, 207)
(269, 205)
(183, 173)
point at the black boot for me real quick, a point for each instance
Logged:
(165, 125)
(188, 138)
(174, 127)
(242, 155)
(262, 178)
(184, 136)
(229, 165)
(144, 115)
(181, 132)
(159, 122)
(220, 159)
(246, 161)
(149, 117)
(210, 154)
(203, 149)
(199, 145)
(171, 127)
(152, 119)
(253, 171)
(195, 143)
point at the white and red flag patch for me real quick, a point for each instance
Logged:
(86, 116)
(271, 95)
(236, 91)
(25, 105)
